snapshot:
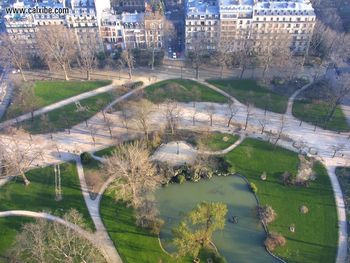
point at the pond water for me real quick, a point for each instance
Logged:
(238, 243)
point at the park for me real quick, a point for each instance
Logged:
(187, 147)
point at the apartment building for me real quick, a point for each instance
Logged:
(112, 31)
(202, 24)
(277, 20)
(264, 22)
(154, 29)
(83, 21)
(80, 17)
(121, 6)
(132, 30)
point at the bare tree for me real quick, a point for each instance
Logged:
(134, 172)
(140, 112)
(44, 241)
(16, 157)
(128, 60)
(87, 58)
(341, 88)
(223, 55)
(172, 114)
(337, 148)
(93, 129)
(210, 109)
(194, 114)
(249, 109)
(198, 51)
(13, 53)
(280, 130)
(232, 111)
(109, 124)
(244, 55)
(28, 100)
(263, 122)
(273, 53)
(58, 46)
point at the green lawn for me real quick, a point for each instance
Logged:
(217, 141)
(48, 92)
(249, 91)
(68, 116)
(182, 90)
(316, 235)
(316, 112)
(39, 196)
(105, 152)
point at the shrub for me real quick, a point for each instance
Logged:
(86, 158)
(288, 179)
(180, 179)
(219, 259)
(263, 176)
(274, 240)
(253, 188)
(267, 214)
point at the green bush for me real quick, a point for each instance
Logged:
(86, 158)
(180, 179)
(253, 188)
(219, 259)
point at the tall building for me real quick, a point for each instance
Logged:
(202, 24)
(264, 22)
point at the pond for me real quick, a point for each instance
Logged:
(238, 243)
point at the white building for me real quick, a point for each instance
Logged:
(234, 21)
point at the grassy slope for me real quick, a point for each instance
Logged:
(248, 91)
(48, 92)
(315, 239)
(39, 196)
(185, 91)
(315, 113)
(58, 118)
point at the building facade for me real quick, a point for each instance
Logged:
(80, 16)
(234, 22)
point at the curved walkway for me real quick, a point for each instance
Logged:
(94, 211)
(57, 105)
(341, 211)
(228, 149)
(291, 99)
(49, 217)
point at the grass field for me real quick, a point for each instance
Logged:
(39, 196)
(68, 115)
(217, 141)
(48, 92)
(250, 92)
(316, 235)
(182, 90)
(316, 112)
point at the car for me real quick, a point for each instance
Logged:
(174, 55)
